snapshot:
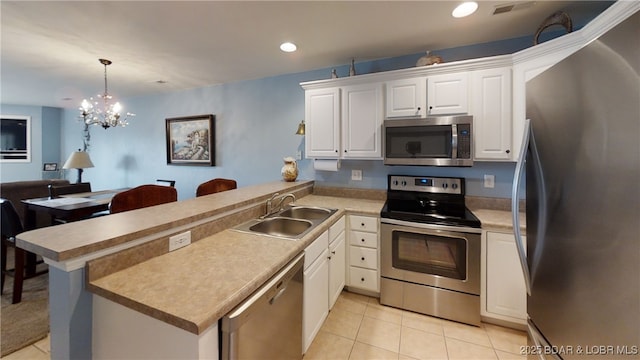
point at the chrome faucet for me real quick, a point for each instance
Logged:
(283, 198)
(271, 209)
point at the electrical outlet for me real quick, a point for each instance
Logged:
(299, 155)
(356, 175)
(489, 181)
(180, 240)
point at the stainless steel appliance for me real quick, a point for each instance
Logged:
(438, 141)
(582, 263)
(268, 325)
(430, 249)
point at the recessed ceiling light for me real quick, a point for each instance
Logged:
(465, 9)
(288, 47)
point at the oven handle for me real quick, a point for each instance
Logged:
(462, 229)
(515, 206)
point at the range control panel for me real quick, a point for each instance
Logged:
(427, 184)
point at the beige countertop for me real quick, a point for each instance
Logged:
(72, 240)
(498, 220)
(195, 286)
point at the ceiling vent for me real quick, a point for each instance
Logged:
(505, 8)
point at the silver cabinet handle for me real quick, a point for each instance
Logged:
(515, 206)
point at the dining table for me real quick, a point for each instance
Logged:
(68, 207)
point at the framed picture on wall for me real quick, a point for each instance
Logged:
(50, 167)
(191, 140)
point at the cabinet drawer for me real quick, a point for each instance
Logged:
(363, 223)
(363, 278)
(360, 238)
(336, 229)
(316, 248)
(363, 257)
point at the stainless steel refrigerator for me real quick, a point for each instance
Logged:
(583, 201)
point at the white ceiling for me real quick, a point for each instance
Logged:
(50, 49)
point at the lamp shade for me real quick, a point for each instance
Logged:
(78, 160)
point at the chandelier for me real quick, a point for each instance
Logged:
(103, 113)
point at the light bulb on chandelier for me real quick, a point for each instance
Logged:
(109, 114)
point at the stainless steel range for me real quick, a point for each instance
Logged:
(430, 249)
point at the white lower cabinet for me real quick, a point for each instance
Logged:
(504, 296)
(324, 279)
(363, 270)
(337, 262)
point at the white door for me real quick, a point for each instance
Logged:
(491, 109)
(447, 94)
(406, 98)
(315, 304)
(506, 292)
(362, 121)
(337, 268)
(322, 115)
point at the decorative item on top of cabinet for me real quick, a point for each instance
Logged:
(558, 18)
(352, 68)
(290, 169)
(334, 74)
(429, 59)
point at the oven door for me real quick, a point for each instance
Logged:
(433, 255)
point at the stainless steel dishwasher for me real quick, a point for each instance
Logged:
(267, 325)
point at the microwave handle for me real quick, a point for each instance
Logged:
(454, 141)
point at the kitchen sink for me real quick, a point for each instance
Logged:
(293, 222)
(281, 226)
(306, 212)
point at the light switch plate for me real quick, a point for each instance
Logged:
(180, 240)
(356, 175)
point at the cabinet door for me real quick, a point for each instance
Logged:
(322, 113)
(315, 304)
(337, 265)
(448, 94)
(362, 121)
(506, 292)
(491, 109)
(406, 98)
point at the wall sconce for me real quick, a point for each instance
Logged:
(301, 128)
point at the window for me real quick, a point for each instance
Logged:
(15, 138)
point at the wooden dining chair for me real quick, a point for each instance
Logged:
(12, 226)
(215, 186)
(57, 190)
(142, 196)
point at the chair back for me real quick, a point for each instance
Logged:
(141, 197)
(11, 224)
(215, 186)
(171, 183)
(57, 190)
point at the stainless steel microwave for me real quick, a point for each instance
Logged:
(435, 141)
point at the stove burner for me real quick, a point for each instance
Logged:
(428, 200)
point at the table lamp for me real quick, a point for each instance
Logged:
(78, 160)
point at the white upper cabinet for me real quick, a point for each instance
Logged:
(406, 98)
(448, 94)
(362, 121)
(322, 113)
(492, 115)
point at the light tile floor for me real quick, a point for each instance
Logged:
(358, 327)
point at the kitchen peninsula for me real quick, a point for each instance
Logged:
(190, 288)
